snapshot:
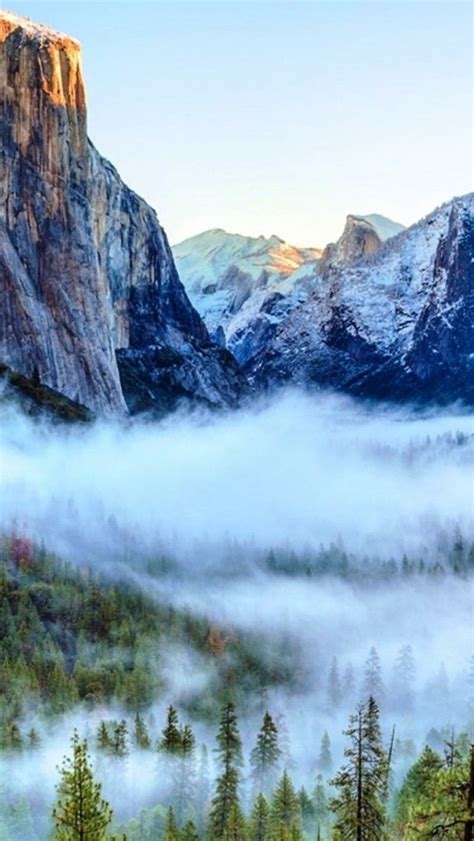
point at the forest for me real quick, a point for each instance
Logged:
(85, 657)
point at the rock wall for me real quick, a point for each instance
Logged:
(85, 268)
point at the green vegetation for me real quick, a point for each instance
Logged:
(73, 643)
(436, 799)
(38, 400)
(68, 637)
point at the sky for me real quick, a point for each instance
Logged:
(278, 117)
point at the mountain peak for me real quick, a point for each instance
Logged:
(383, 226)
(52, 63)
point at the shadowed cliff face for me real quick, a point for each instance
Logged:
(85, 268)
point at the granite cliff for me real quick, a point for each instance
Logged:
(92, 305)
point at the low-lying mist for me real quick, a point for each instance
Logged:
(297, 471)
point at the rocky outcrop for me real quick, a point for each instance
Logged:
(396, 324)
(39, 401)
(358, 239)
(89, 285)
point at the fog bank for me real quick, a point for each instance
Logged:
(299, 470)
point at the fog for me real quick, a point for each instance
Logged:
(297, 471)
(216, 493)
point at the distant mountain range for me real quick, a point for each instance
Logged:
(384, 312)
(98, 308)
(231, 278)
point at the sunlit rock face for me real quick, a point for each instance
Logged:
(86, 272)
(359, 238)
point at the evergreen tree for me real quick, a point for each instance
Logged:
(452, 752)
(325, 758)
(265, 757)
(373, 684)
(361, 782)
(306, 811)
(439, 803)
(80, 813)
(185, 776)
(320, 804)
(416, 785)
(236, 824)
(170, 741)
(202, 790)
(103, 738)
(140, 733)
(171, 830)
(348, 684)
(334, 686)
(229, 753)
(285, 812)
(403, 691)
(259, 820)
(189, 832)
(119, 740)
(284, 742)
(34, 738)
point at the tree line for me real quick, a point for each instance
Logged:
(358, 803)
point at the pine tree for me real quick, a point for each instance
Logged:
(284, 742)
(361, 782)
(140, 733)
(236, 824)
(259, 820)
(403, 692)
(103, 739)
(307, 811)
(417, 782)
(171, 830)
(265, 757)
(185, 776)
(119, 740)
(452, 752)
(80, 813)
(334, 686)
(34, 738)
(348, 684)
(325, 758)
(229, 752)
(202, 789)
(373, 684)
(285, 812)
(320, 804)
(189, 832)
(170, 741)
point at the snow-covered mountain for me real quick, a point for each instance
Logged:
(231, 278)
(384, 311)
(397, 323)
(223, 272)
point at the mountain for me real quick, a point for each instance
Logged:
(243, 286)
(92, 305)
(223, 273)
(362, 235)
(396, 323)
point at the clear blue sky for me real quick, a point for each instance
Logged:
(278, 117)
